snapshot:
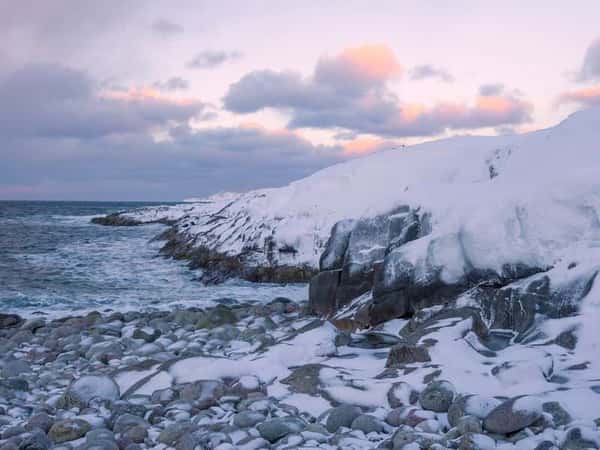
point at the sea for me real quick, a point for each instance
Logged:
(55, 262)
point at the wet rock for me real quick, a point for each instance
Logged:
(437, 396)
(68, 430)
(342, 416)
(115, 220)
(274, 429)
(10, 321)
(402, 354)
(513, 415)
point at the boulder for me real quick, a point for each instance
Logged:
(513, 415)
(68, 430)
(10, 321)
(274, 429)
(367, 424)
(437, 396)
(342, 416)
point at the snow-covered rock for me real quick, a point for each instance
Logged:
(453, 207)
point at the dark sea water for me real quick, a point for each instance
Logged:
(54, 261)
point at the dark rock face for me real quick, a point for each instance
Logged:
(372, 259)
(10, 321)
(323, 292)
(217, 267)
(115, 220)
(351, 263)
(337, 245)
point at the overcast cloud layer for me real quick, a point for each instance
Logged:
(145, 100)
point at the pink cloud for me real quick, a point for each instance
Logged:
(375, 61)
(585, 96)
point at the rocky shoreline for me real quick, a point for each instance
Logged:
(251, 376)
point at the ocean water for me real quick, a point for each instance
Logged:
(54, 262)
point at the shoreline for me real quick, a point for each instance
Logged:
(271, 375)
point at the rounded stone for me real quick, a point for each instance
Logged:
(41, 421)
(367, 424)
(469, 424)
(274, 429)
(127, 421)
(248, 419)
(68, 430)
(513, 415)
(437, 396)
(342, 416)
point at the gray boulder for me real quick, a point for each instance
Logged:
(274, 429)
(68, 430)
(513, 415)
(367, 424)
(342, 416)
(437, 396)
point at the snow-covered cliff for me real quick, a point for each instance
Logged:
(489, 201)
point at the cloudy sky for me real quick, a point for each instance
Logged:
(163, 100)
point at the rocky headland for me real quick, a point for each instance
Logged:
(453, 303)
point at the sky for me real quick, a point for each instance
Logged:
(166, 100)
